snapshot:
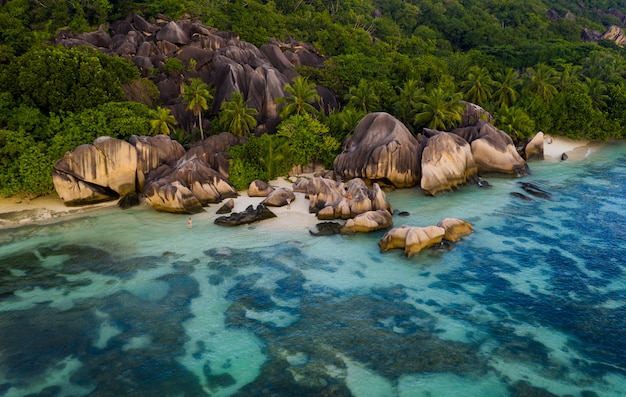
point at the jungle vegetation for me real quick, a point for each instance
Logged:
(522, 60)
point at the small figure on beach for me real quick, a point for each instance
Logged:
(288, 203)
(189, 223)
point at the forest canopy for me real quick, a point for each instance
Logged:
(527, 62)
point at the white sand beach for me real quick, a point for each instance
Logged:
(15, 211)
(555, 146)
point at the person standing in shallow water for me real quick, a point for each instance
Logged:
(189, 223)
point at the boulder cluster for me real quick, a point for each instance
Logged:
(413, 239)
(171, 179)
(218, 58)
(383, 150)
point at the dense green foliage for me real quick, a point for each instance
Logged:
(522, 60)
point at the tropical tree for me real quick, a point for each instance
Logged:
(407, 100)
(478, 86)
(162, 122)
(597, 93)
(506, 85)
(302, 96)
(363, 97)
(236, 117)
(197, 96)
(541, 81)
(439, 109)
(515, 122)
(569, 75)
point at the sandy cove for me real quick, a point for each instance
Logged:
(16, 211)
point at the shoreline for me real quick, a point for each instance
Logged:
(17, 212)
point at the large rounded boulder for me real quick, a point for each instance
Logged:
(381, 149)
(90, 173)
(447, 162)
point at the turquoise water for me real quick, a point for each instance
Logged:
(134, 303)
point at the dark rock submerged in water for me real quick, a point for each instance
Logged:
(250, 215)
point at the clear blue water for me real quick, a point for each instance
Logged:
(133, 303)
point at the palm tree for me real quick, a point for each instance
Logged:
(506, 85)
(363, 97)
(197, 97)
(302, 96)
(236, 116)
(407, 100)
(515, 122)
(439, 109)
(162, 122)
(597, 93)
(541, 81)
(478, 86)
(569, 75)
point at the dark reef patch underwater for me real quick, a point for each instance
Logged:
(133, 303)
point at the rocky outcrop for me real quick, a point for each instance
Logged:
(411, 238)
(220, 59)
(250, 215)
(473, 114)
(167, 196)
(94, 173)
(203, 182)
(214, 150)
(533, 150)
(455, 229)
(279, 197)
(259, 188)
(157, 166)
(381, 149)
(447, 162)
(615, 34)
(493, 150)
(330, 199)
(152, 152)
(368, 222)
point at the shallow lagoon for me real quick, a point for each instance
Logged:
(133, 303)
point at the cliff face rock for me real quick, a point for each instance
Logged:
(615, 34)
(381, 149)
(447, 162)
(167, 196)
(75, 192)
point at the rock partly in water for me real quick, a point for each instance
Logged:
(381, 149)
(227, 208)
(412, 239)
(368, 222)
(326, 229)
(534, 148)
(250, 215)
(447, 162)
(455, 229)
